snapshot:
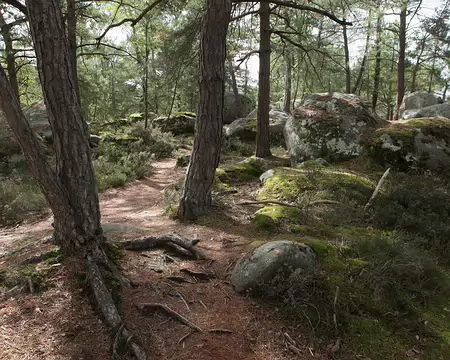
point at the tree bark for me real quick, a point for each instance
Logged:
(357, 86)
(9, 52)
(77, 213)
(72, 37)
(417, 65)
(196, 199)
(347, 61)
(377, 76)
(234, 86)
(262, 131)
(288, 83)
(401, 59)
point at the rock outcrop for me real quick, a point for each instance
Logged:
(438, 110)
(231, 111)
(418, 100)
(417, 143)
(182, 123)
(329, 126)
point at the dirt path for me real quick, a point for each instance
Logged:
(59, 323)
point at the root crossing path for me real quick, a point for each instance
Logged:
(179, 308)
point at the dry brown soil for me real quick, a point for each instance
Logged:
(59, 323)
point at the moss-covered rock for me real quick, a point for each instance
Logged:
(329, 126)
(247, 170)
(270, 217)
(289, 184)
(182, 123)
(422, 143)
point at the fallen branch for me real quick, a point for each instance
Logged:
(377, 189)
(176, 242)
(172, 313)
(198, 274)
(266, 202)
(184, 337)
(318, 202)
(223, 331)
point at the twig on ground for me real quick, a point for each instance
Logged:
(377, 189)
(180, 295)
(203, 304)
(184, 337)
(172, 313)
(266, 202)
(224, 331)
(295, 349)
(336, 294)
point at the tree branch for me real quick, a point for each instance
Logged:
(18, 5)
(130, 20)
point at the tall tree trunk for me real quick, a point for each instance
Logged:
(377, 76)
(444, 95)
(5, 30)
(196, 199)
(288, 83)
(417, 66)
(401, 59)
(362, 69)
(77, 219)
(433, 65)
(72, 37)
(347, 61)
(262, 131)
(234, 86)
(147, 54)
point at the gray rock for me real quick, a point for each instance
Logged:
(245, 128)
(38, 119)
(416, 143)
(230, 112)
(329, 126)
(179, 124)
(267, 264)
(266, 175)
(418, 100)
(438, 110)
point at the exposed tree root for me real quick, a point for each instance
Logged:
(146, 307)
(179, 244)
(274, 202)
(123, 338)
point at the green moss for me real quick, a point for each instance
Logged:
(185, 113)
(247, 170)
(270, 217)
(289, 185)
(264, 222)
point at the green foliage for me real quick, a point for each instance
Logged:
(117, 165)
(20, 196)
(418, 205)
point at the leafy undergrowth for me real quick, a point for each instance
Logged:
(384, 284)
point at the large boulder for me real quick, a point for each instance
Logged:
(418, 100)
(329, 126)
(245, 128)
(182, 123)
(230, 111)
(417, 143)
(272, 263)
(38, 119)
(438, 110)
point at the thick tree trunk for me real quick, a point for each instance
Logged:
(377, 76)
(262, 131)
(288, 83)
(77, 219)
(147, 54)
(401, 59)
(9, 53)
(196, 198)
(362, 69)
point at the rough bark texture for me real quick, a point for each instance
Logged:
(72, 37)
(377, 76)
(77, 221)
(5, 30)
(196, 199)
(288, 83)
(401, 59)
(262, 136)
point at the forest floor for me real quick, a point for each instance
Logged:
(57, 321)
